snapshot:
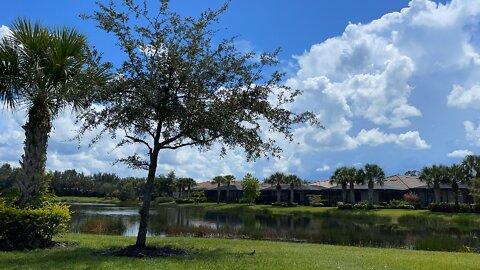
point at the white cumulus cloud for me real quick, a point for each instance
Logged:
(459, 153)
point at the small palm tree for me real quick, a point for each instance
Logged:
(189, 182)
(294, 182)
(44, 71)
(277, 179)
(341, 177)
(219, 180)
(228, 180)
(373, 175)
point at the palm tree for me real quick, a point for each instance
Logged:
(359, 178)
(44, 71)
(277, 179)
(456, 175)
(433, 177)
(373, 175)
(294, 182)
(228, 179)
(341, 177)
(189, 182)
(219, 180)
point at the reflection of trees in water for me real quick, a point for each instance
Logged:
(340, 228)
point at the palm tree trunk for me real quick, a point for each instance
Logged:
(279, 192)
(37, 129)
(147, 197)
(352, 193)
(218, 193)
(370, 192)
(291, 194)
(436, 191)
(228, 192)
(344, 193)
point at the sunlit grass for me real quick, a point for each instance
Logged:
(207, 253)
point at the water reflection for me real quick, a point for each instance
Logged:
(339, 228)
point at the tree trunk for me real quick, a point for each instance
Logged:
(352, 193)
(370, 192)
(228, 192)
(436, 191)
(37, 129)
(344, 193)
(218, 194)
(279, 192)
(455, 191)
(147, 196)
(291, 194)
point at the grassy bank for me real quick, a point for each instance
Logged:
(76, 199)
(232, 254)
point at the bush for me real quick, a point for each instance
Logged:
(187, 200)
(315, 200)
(451, 207)
(31, 228)
(163, 199)
(198, 196)
(399, 204)
(344, 206)
(284, 204)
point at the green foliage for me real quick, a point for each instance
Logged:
(184, 201)
(163, 199)
(250, 187)
(452, 207)
(315, 200)
(284, 204)
(198, 196)
(31, 228)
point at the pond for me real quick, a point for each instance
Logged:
(460, 233)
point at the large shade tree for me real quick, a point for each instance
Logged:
(44, 71)
(373, 175)
(277, 179)
(182, 86)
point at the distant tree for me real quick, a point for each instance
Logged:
(44, 71)
(218, 180)
(250, 187)
(433, 177)
(359, 178)
(277, 179)
(181, 86)
(342, 176)
(373, 175)
(471, 166)
(294, 182)
(456, 175)
(412, 173)
(228, 180)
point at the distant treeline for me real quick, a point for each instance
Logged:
(73, 183)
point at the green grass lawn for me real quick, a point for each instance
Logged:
(76, 199)
(232, 254)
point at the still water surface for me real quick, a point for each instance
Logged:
(340, 228)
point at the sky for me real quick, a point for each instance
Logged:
(396, 83)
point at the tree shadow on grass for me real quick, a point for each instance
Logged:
(94, 258)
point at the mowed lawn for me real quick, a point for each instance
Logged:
(209, 253)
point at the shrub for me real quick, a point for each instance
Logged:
(31, 228)
(284, 204)
(187, 200)
(198, 196)
(399, 204)
(315, 200)
(344, 206)
(163, 199)
(451, 207)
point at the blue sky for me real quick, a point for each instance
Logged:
(394, 82)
